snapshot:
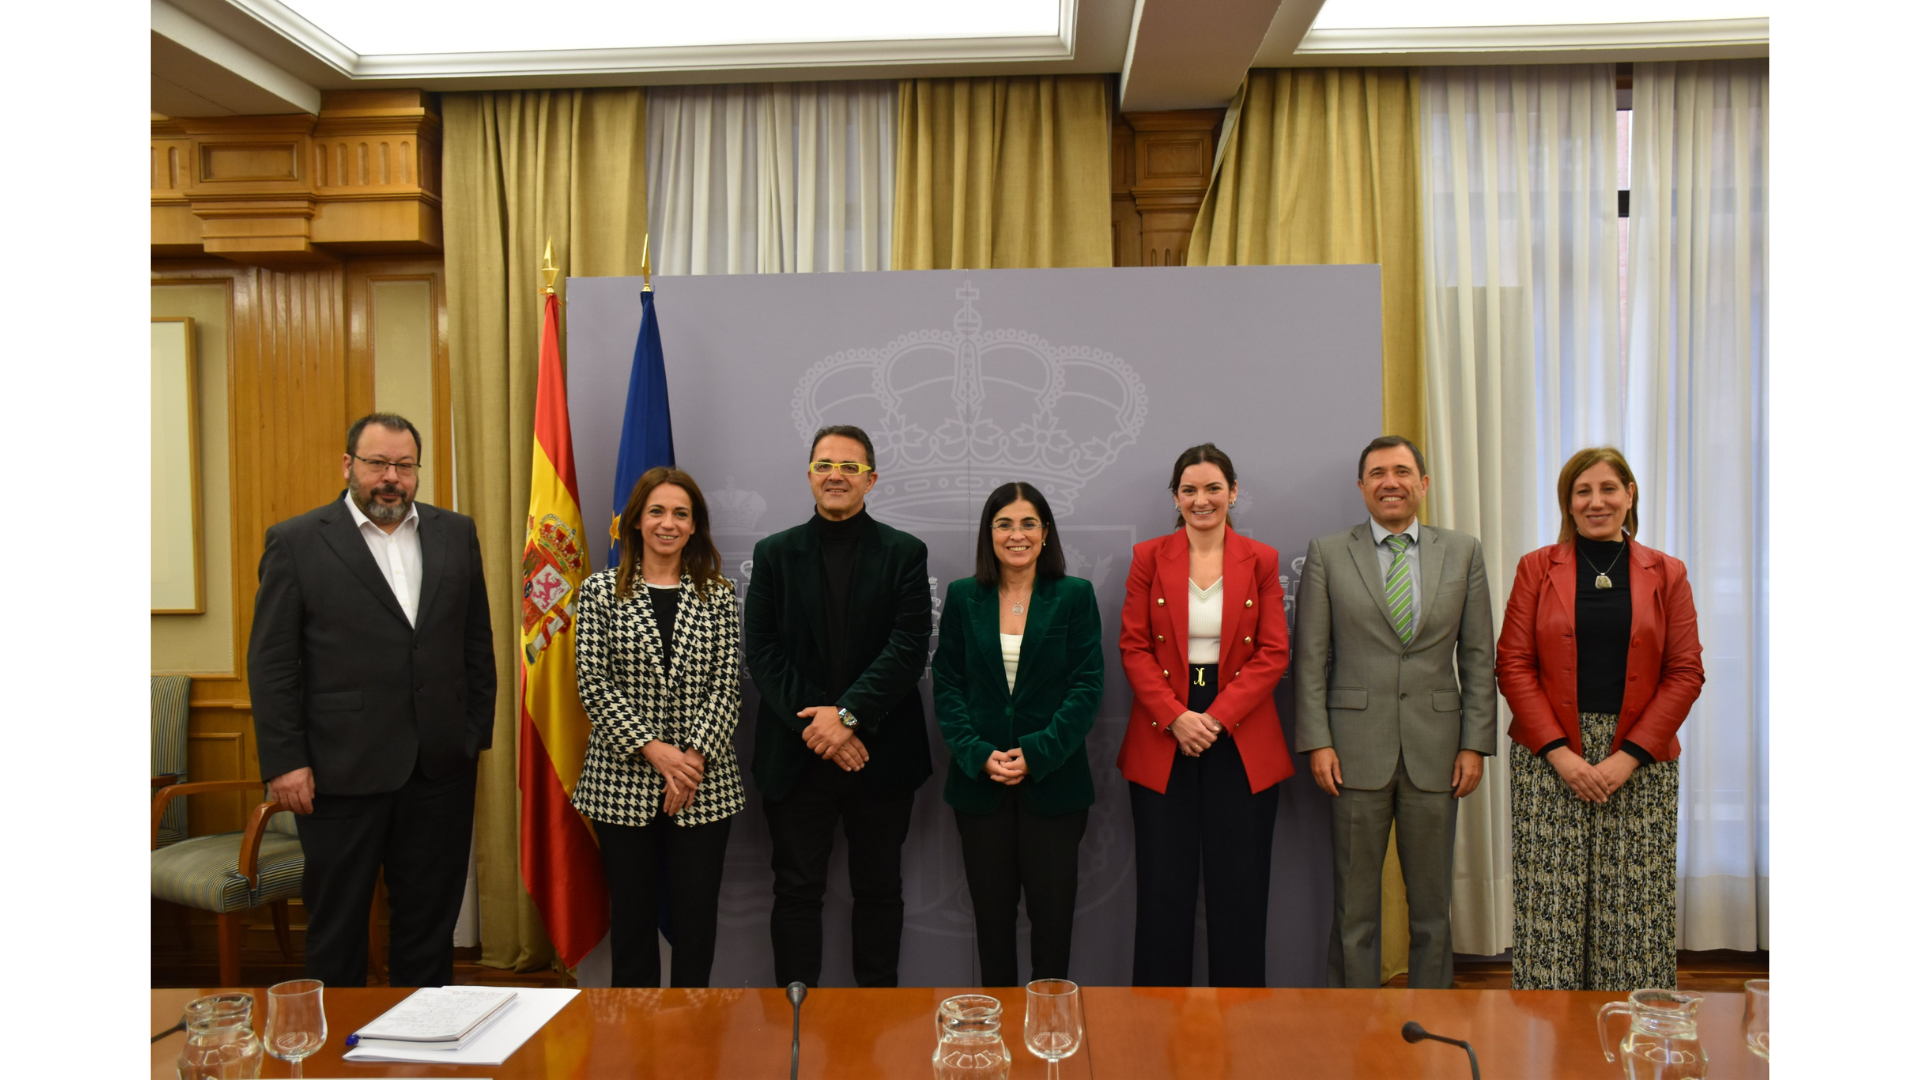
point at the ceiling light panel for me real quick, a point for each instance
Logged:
(1408, 14)
(387, 27)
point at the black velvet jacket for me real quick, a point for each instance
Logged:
(889, 622)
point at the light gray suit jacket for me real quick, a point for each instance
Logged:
(1360, 690)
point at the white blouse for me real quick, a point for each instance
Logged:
(1204, 607)
(1010, 656)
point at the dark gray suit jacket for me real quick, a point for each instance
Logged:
(1361, 690)
(341, 683)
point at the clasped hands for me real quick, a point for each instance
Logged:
(684, 769)
(1007, 767)
(1592, 783)
(1195, 732)
(827, 736)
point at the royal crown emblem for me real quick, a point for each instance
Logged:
(733, 510)
(955, 414)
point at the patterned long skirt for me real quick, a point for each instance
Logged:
(1593, 883)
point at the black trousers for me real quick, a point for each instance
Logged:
(802, 826)
(421, 834)
(695, 855)
(1209, 819)
(1009, 851)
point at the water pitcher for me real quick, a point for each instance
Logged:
(970, 1047)
(1663, 1038)
(221, 1044)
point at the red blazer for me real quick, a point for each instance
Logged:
(1253, 656)
(1539, 670)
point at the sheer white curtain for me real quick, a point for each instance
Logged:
(1521, 217)
(770, 177)
(1697, 438)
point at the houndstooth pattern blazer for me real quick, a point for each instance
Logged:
(632, 699)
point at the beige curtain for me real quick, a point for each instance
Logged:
(521, 167)
(1003, 172)
(1321, 165)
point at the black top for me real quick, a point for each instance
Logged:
(1602, 626)
(838, 540)
(1602, 622)
(665, 601)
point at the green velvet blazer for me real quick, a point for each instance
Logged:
(783, 638)
(1048, 713)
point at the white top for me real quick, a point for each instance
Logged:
(396, 554)
(1203, 621)
(1010, 656)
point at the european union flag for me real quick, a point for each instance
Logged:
(646, 435)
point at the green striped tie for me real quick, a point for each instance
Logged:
(1400, 588)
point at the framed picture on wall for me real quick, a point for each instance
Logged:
(179, 579)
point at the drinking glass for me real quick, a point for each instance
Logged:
(296, 1020)
(1755, 1024)
(1054, 1024)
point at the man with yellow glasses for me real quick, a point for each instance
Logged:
(838, 616)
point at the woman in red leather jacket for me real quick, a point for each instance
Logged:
(1203, 639)
(1600, 661)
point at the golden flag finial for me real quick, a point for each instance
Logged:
(548, 270)
(646, 268)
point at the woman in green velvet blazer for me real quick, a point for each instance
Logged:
(1016, 680)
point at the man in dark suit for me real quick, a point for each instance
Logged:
(1393, 693)
(372, 674)
(835, 636)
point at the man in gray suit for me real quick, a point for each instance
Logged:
(1393, 683)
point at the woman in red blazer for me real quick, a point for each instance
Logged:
(1600, 661)
(1203, 639)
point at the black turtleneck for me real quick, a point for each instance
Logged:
(1602, 622)
(1602, 627)
(838, 541)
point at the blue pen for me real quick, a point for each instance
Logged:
(353, 1040)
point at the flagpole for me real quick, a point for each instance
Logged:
(548, 270)
(646, 268)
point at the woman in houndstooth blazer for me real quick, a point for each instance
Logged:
(658, 655)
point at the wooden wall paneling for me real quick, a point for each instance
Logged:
(292, 390)
(175, 230)
(1173, 165)
(362, 275)
(362, 177)
(1126, 216)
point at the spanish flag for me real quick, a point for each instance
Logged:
(559, 860)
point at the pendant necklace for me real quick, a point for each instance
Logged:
(1600, 578)
(1020, 605)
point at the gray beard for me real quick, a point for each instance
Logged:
(380, 513)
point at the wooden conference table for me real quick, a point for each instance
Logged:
(1204, 1034)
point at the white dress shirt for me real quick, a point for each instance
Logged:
(396, 554)
(1204, 608)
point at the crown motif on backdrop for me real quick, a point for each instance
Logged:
(955, 414)
(733, 510)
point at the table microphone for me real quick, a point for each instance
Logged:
(797, 993)
(1413, 1033)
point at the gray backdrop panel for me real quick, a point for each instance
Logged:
(1088, 382)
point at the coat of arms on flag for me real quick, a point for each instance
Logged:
(550, 569)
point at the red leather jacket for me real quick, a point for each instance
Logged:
(1253, 656)
(1539, 670)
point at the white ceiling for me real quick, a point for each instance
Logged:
(243, 57)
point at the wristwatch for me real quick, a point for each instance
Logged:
(848, 720)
